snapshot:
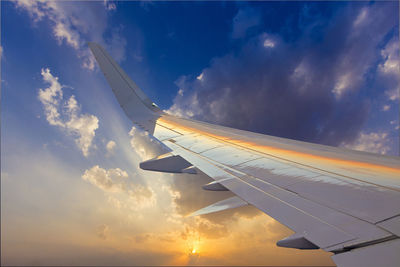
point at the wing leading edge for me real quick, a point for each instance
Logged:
(341, 201)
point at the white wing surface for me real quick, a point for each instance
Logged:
(342, 201)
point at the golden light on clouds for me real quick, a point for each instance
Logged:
(115, 216)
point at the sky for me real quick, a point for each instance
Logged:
(71, 189)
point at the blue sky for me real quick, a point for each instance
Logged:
(324, 72)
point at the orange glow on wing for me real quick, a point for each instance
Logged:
(313, 160)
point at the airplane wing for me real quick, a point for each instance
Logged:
(342, 201)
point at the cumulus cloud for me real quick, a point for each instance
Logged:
(390, 55)
(111, 146)
(371, 142)
(67, 114)
(75, 25)
(105, 179)
(389, 69)
(310, 91)
(116, 181)
(145, 145)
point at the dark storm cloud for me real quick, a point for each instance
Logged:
(311, 89)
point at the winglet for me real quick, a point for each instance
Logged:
(137, 106)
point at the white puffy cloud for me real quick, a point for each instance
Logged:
(200, 77)
(389, 69)
(34, 8)
(106, 180)
(67, 113)
(390, 54)
(374, 142)
(62, 33)
(111, 146)
(116, 181)
(269, 43)
(144, 145)
(179, 110)
(75, 25)
(51, 98)
(342, 84)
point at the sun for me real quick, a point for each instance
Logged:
(193, 251)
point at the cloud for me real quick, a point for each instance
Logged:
(75, 25)
(390, 55)
(200, 77)
(62, 33)
(144, 232)
(146, 146)
(111, 146)
(102, 231)
(396, 123)
(309, 91)
(269, 43)
(185, 195)
(116, 181)
(245, 19)
(389, 69)
(361, 18)
(109, 5)
(66, 114)
(105, 179)
(371, 142)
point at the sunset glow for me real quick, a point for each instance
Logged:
(72, 191)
